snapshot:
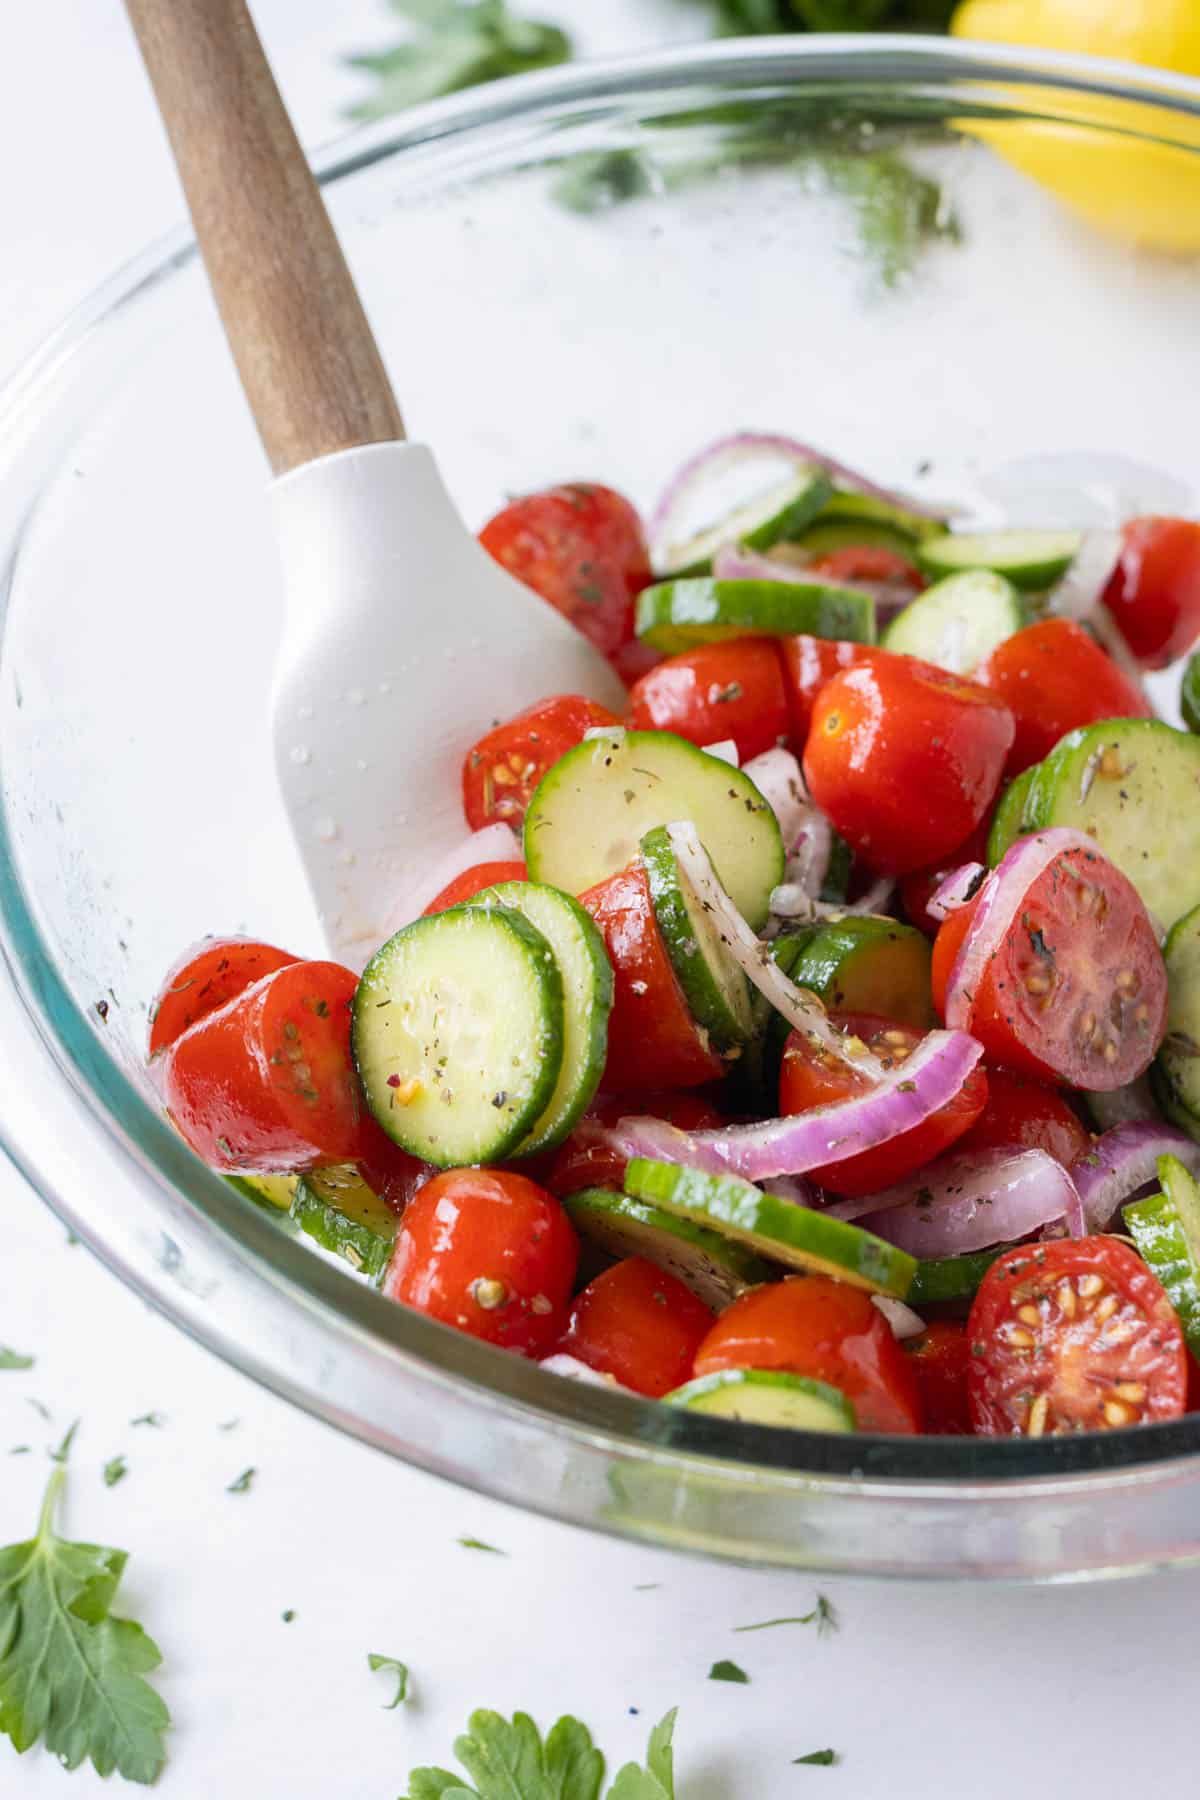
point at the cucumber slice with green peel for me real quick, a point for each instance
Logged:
(715, 1268)
(1133, 785)
(1166, 1230)
(951, 1277)
(753, 1082)
(959, 621)
(828, 535)
(1008, 820)
(591, 811)
(1189, 693)
(797, 1236)
(778, 512)
(717, 992)
(767, 1397)
(678, 615)
(862, 964)
(345, 1216)
(1175, 1074)
(458, 1034)
(1030, 559)
(587, 1001)
(836, 886)
(845, 506)
(273, 1191)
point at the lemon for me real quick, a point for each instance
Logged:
(1104, 166)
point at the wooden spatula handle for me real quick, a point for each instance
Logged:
(307, 358)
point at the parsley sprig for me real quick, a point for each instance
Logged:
(510, 1757)
(70, 1672)
(453, 44)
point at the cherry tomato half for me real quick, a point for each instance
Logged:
(810, 1077)
(733, 690)
(1054, 676)
(653, 1041)
(918, 889)
(1154, 594)
(905, 759)
(1029, 1114)
(490, 1253)
(207, 978)
(639, 1325)
(1076, 992)
(464, 887)
(939, 1359)
(808, 664)
(582, 548)
(812, 1325)
(585, 1160)
(868, 562)
(1075, 1335)
(267, 1082)
(501, 771)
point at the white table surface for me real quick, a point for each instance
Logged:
(925, 1691)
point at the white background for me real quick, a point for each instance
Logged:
(925, 1691)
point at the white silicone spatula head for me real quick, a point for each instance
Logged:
(403, 641)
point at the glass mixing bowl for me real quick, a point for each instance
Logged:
(584, 273)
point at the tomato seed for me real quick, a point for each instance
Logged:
(1035, 1423)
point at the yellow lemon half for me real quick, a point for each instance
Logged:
(1145, 192)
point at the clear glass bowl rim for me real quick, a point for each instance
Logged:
(146, 1153)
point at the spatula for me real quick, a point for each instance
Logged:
(403, 641)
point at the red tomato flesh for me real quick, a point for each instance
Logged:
(1154, 594)
(464, 887)
(810, 1077)
(267, 1083)
(868, 562)
(653, 1041)
(732, 690)
(814, 1326)
(582, 548)
(939, 1359)
(490, 1253)
(207, 978)
(1054, 677)
(639, 1325)
(1029, 1114)
(1075, 1335)
(584, 1161)
(905, 759)
(501, 771)
(1076, 993)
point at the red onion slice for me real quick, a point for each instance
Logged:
(973, 1201)
(999, 900)
(495, 843)
(725, 749)
(1082, 588)
(1121, 1162)
(905, 1323)
(742, 446)
(779, 779)
(906, 1096)
(957, 891)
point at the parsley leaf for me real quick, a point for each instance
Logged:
(70, 1673)
(727, 1671)
(511, 1761)
(115, 1469)
(64, 1449)
(13, 1359)
(399, 1669)
(823, 1759)
(454, 44)
(243, 1482)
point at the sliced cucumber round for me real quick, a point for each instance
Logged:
(272, 1191)
(1008, 820)
(767, 1397)
(959, 621)
(1132, 784)
(797, 1236)
(587, 1001)
(862, 964)
(753, 1081)
(828, 534)
(336, 1208)
(717, 992)
(1189, 693)
(845, 506)
(951, 1277)
(458, 1034)
(1175, 1076)
(591, 811)
(678, 615)
(1030, 559)
(715, 1268)
(778, 512)
(1166, 1230)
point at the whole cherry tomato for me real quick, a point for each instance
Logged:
(1054, 676)
(808, 664)
(1154, 594)
(501, 771)
(939, 1359)
(207, 978)
(490, 1253)
(638, 1324)
(731, 690)
(812, 1325)
(1027, 1113)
